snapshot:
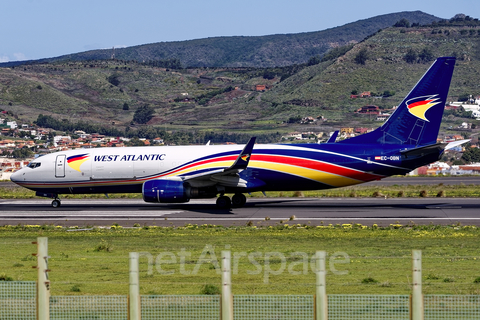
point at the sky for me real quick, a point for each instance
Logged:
(35, 29)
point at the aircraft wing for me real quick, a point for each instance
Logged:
(228, 177)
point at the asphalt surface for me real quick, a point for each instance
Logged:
(260, 211)
(467, 180)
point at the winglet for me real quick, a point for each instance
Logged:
(333, 137)
(244, 156)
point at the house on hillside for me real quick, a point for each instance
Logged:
(260, 87)
(372, 109)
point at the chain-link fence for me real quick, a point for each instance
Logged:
(452, 307)
(88, 307)
(198, 307)
(352, 307)
(18, 300)
(292, 307)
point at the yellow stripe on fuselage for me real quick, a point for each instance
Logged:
(320, 176)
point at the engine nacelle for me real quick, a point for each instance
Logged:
(166, 191)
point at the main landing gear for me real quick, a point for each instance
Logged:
(237, 201)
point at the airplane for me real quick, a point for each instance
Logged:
(176, 174)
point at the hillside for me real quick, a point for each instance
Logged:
(260, 51)
(226, 99)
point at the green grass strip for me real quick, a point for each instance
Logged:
(265, 259)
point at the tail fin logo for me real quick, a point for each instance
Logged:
(76, 161)
(420, 105)
(245, 157)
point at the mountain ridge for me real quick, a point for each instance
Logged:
(248, 51)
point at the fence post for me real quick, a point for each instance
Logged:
(227, 298)
(417, 296)
(321, 307)
(134, 288)
(43, 284)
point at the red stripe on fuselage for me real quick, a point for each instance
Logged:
(317, 165)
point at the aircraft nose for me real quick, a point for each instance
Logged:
(17, 176)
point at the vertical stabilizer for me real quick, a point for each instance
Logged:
(417, 119)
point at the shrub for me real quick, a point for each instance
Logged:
(210, 289)
(4, 277)
(432, 276)
(369, 280)
(298, 194)
(362, 56)
(104, 246)
(75, 288)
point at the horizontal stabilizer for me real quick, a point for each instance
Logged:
(438, 147)
(456, 143)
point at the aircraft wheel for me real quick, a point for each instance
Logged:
(56, 203)
(224, 202)
(239, 200)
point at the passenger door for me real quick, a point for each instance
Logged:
(60, 166)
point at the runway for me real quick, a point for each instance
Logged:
(260, 211)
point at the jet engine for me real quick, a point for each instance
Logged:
(174, 191)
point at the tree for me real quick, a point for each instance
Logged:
(388, 93)
(113, 79)
(269, 75)
(313, 61)
(125, 106)
(426, 55)
(362, 56)
(402, 23)
(143, 114)
(471, 155)
(411, 56)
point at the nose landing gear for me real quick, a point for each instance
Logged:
(56, 203)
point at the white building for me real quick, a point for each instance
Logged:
(12, 124)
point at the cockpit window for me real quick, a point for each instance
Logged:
(34, 165)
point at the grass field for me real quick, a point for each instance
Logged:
(265, 260)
